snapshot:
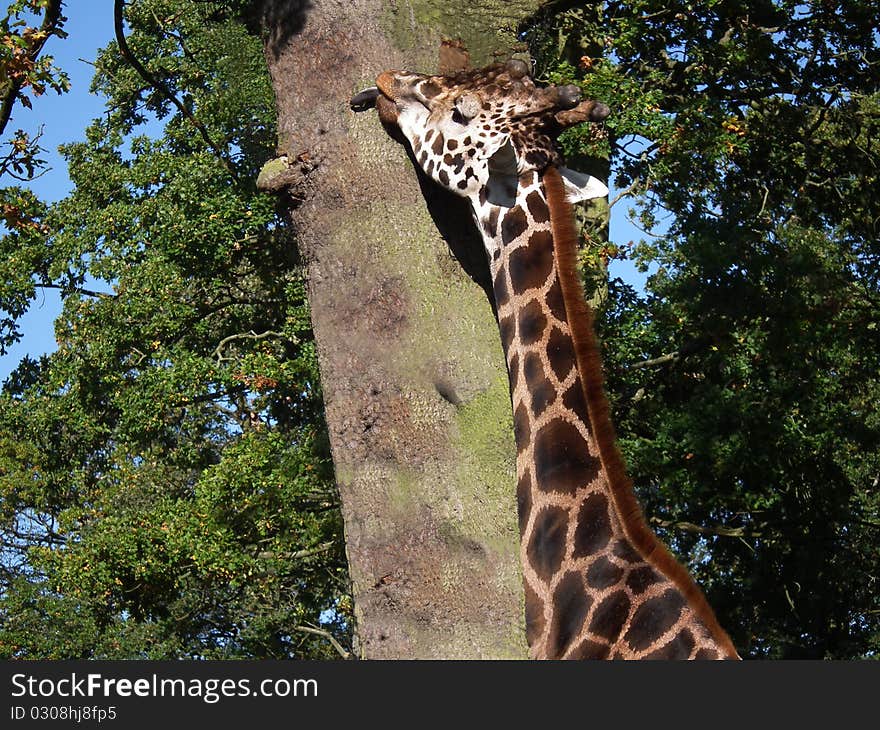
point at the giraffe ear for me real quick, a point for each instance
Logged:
(503, 175)
(503, 160)
(580, 187)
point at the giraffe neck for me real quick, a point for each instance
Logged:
(598, 584)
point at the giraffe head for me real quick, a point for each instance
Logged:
(476, 132)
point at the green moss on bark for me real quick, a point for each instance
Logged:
(485, 433)
(486, 28)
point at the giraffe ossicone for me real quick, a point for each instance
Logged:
(598, 582)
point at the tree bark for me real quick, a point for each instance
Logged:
(414, 380)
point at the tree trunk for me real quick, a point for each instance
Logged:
(414, 380)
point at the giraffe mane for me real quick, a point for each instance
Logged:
(589, 364)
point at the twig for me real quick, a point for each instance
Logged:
(662, 360)
(764, 201)
(118, 6)
(721, 531)
(343, 652)
(624, 193)
(80, 290)
(299, 554)
(218, 351)
(143, 356)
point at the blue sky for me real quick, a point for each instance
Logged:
(64, 119)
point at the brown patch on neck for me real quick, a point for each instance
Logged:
(589, 364)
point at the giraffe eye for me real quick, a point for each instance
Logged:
(467, 106)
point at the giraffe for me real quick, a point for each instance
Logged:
(598, 582)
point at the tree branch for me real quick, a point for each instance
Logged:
(343, 652)
(157, 84)
(299, 554)
(51, 22)
(218, 351)
(662, 360)
(721, 531)
(624, 193)
(79, 290)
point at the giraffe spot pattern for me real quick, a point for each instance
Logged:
(532, 323)
(555, 302)
(506, 329)
(576, 402)
(490, 225)
(562, 461)
(623, 550)
(499, 287)
(522, 429)
(437, 147)
(610, 616)
(546, 546)
(571, 604)
(531, 265)
(653, 618)
(640, 579)
(589, 649)
(537, 158)
(513, 225)
(680, 647)
(560, 353)
(534, 616)
(593, 530)
(443, 177)
(541, 390)
(523, 500)
(537, 207)
(603, 573)
(513, 371)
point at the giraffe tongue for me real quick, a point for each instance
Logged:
(364, 100)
